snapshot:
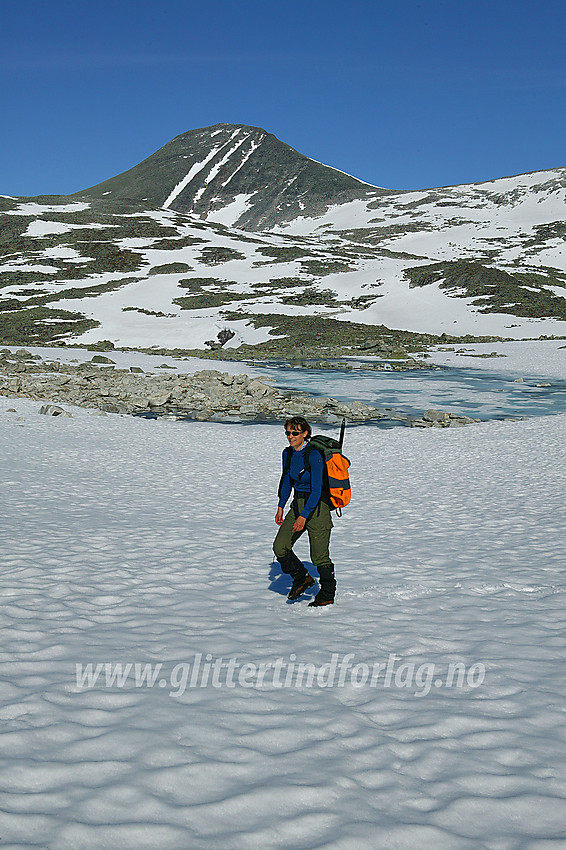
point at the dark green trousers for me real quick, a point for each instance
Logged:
(318, 527)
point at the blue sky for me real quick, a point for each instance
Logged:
(402, 94)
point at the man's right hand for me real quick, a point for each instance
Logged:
(279, 516)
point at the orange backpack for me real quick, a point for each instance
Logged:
(336, 465)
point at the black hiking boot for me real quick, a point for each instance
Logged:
(320, 600)
(325, 595)
(299, 586)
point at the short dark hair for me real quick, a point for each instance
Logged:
(301, 423)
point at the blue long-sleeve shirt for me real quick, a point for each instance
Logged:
(303, 480)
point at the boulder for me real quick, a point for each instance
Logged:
(159, 400)
(53, 410)
(100, 358)
(209, 374)
(257, 388)
(442, 419)
(436, 417)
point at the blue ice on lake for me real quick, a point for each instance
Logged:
(478, 393)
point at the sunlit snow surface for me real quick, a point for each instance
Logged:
(135, 541)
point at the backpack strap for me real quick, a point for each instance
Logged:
(286, 466)
(325, 495)
(308, 450)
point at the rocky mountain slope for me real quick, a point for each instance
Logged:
(228, 240)
(262, 181)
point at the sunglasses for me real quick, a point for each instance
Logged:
(292, 433)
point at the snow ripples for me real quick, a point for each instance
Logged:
(132, 540)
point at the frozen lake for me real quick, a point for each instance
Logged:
(479, 393)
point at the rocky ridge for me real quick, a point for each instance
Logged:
(205, 395)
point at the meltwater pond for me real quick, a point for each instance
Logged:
(478, 393)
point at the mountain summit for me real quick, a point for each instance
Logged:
(237, 175)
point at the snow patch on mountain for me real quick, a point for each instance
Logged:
(47, 228)
(184, 331)
(253, 147)
(430, 309)
(194, 170)
(230, 213)
(33, 208)
(27, 267)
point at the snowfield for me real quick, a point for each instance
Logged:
(425, 709)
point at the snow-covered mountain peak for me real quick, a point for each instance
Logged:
(237, 175)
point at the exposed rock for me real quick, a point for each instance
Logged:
(436, 417)
(159, 400)
(208, 394)
(10, 386)
(53, 410)
(100, 358)
(442, 419)
(257, 388)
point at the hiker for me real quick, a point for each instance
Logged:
(310, 509)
